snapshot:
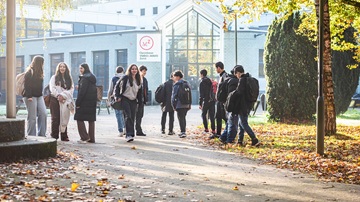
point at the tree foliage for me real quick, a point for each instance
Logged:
(50, 9)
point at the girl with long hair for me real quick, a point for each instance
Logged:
(33, 97)
(128, 92)
(61, 101)
(86, 104)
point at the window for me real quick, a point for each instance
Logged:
(55, 59)
(101, 69)
(32, 56)
(76, 60)
(61, 29)
(168, 6)
(261, 63)
(142, 11)
(122, 58)
(89, 28)
(79, 28)
(155, 10)
(19, 64)
(100, 28)
(130, 11)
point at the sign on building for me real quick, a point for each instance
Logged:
(148, 47)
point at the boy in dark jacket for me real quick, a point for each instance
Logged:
(179, 107)
(166, 107)
(244, 108)
(206, 101)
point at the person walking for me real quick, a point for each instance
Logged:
(118, 112)
(179, 107)
(207, 101)
(142, 101)
(244, 108)
(127, 91)
(33, 98)
(61, 101)
(166, 107)
(220, 111)
(86, 104)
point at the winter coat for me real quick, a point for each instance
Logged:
(205, 87)
(87, 98)
(241, 88)
(175, 101)
(144, 91)
(166, 105)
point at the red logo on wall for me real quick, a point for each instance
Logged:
(146, 43)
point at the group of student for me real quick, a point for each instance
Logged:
(130, 90)
(211, 106)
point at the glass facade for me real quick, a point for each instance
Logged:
(101, 69)
(76, 60)
(55, 59)
(122, 58)
(20, 67)
(192, 44)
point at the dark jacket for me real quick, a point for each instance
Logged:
(33, 85)
(87, 98)
(232, 83)
(121, 87)
(144, 91)
(166, 105)
(241, 88)
(175, 101)
(205, 87)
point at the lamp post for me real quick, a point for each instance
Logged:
(10, 59)
(320, 121)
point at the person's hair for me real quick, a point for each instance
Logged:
(238, 68)
(203, 72)
(137, 76)
(86, 67)
(178, 73)
(171, 75)
(37, 65)
(220, 65)
(142, 67)
(60, 80)
(119, 69)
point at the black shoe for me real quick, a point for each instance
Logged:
(162, 131)
(54, 136)
(241, 144)
(141, 134)
(222, 140)
(255, 142)
(213, 136)
(171, 133)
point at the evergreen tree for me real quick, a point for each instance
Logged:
(291, 72)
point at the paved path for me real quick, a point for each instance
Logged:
(166, 168)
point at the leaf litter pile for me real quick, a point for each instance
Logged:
(62, 178)
(294, 147)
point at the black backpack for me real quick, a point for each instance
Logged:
(232, 100)
(222, 90)
(252, 89)
(160, 94)
(184, 93)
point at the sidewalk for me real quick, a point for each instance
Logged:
(167, 168)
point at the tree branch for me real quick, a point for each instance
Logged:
(352, 3)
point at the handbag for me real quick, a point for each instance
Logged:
(114, 104)
(47, 95)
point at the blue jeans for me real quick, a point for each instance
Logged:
(244, 127)
(230, 131)
(120, 120)
(36, 114)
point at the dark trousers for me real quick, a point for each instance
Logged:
(171, 121)
(181, 114)
(129, 107)
(208, 107)
(84, 135)
(55, 119)
(220, 115)
(139, 116)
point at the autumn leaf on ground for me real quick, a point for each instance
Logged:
(235, 188)
(74, 186)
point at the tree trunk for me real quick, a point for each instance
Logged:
(328, 86)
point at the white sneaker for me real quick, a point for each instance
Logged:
(182, 135)
(83, 141)
(121, 134)
(129, 138)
